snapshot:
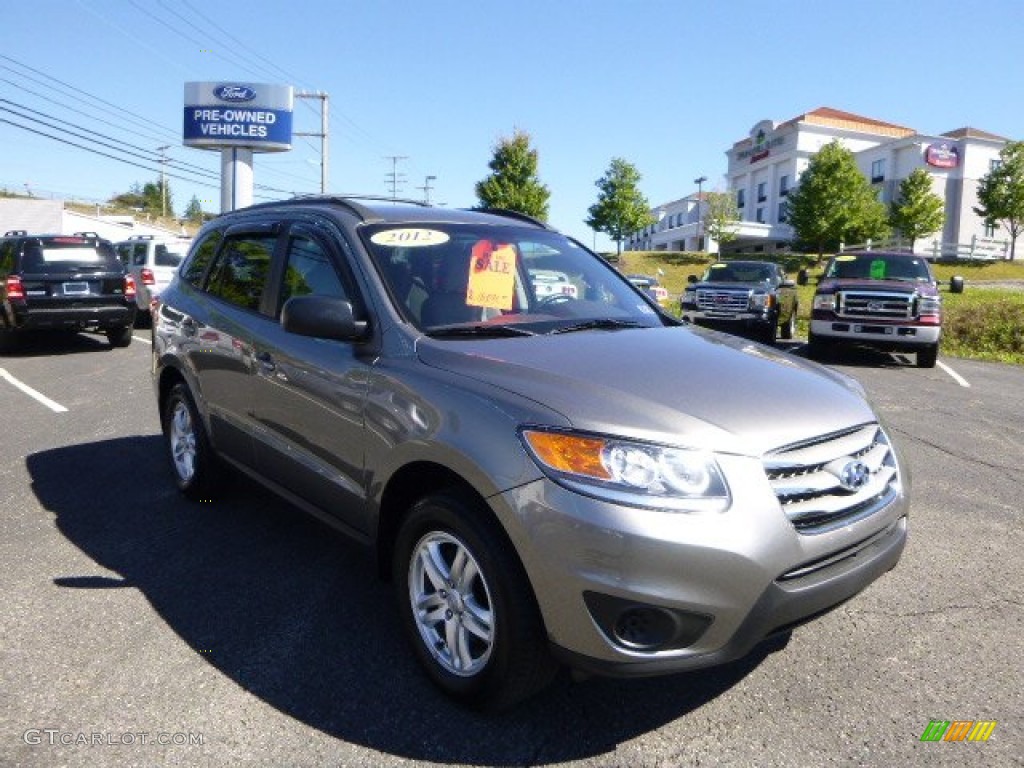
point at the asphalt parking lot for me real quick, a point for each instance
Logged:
(140, 629)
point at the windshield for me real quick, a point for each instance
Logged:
(738, 272)
(878, 266)
(443, 275)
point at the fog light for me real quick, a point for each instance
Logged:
(646, 628)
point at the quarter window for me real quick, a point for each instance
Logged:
(201, 258)
(240, 273)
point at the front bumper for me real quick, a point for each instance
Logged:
(730, 579)
(733, 322)
(877, 334)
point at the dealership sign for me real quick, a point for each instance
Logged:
(942, 156)
(255, 116)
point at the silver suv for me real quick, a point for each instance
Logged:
(152, 262)
(546, 477)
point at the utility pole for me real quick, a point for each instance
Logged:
(426, 188)
(699, 181)
(324, 105)
(163, 179)
(395, 178)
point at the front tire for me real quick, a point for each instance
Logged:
(467, 606)
(928, 356)
(188, 447)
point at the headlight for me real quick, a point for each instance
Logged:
(629, 471)
(759, 301)
(826, 301)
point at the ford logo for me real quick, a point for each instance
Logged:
(854, 475)
(234, 93)
(876, 306)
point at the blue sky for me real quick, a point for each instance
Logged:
(667, 85)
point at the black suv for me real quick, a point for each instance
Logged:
(546, 465)
(63, 283)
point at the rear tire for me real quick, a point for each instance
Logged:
(120, 337)
(928, 356)
(9, 340)
(467, 605)
(188, 447)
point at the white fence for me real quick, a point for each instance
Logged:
(978, 248)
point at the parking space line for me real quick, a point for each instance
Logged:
(39, 396)
(953, 374)
(143, 339)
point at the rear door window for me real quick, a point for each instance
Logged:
(239, 275)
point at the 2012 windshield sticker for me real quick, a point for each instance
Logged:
(409, 238)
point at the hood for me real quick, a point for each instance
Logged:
(691, 388)
(891, 286)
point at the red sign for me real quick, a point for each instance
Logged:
(942, 156)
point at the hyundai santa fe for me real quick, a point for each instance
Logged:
(548, 478)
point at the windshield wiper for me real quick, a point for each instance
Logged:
(479, 331)
(603, 323)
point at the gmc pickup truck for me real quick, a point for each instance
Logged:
(888, 301)
(753, 298)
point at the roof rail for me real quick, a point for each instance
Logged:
(348, 201)
(510, 214)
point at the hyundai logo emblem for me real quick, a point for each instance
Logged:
(854, 475)
(234, 93)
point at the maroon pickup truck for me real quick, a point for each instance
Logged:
(886, 300)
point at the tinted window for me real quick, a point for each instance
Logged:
(169, 255)
(139, 254)
(309, 271)
(239, 274)
(201, 258)
(62, 254)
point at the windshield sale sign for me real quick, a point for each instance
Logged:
(257, 116)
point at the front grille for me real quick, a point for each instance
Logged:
(890, 306)
(712, 300)
(807, 478)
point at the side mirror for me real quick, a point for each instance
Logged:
(956, 284)
(322, 317)
(802, 277)
(691, 279)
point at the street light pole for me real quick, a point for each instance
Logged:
(699, 181)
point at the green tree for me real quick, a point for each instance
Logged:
(620, 209)
(513, 183)
(148, 197)
(1001, 193)
(194, 210)
(721, 217)
(834, 202)
(917, 211)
